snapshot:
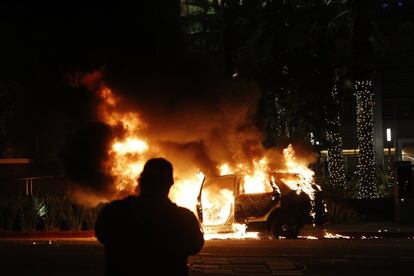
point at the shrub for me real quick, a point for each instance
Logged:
(50, 213)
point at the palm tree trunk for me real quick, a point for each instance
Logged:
(336, 164)
(365, 135)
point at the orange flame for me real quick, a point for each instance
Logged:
(256, 182)
(304, 180)
(129, 152)
(125, 156)
(296, 176)
(217, 207)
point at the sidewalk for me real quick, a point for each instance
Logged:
(363, 230)
(380, 229)
(49, 236)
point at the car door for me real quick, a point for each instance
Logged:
(216, 203)
(254, 206)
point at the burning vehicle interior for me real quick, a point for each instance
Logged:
(275, 208)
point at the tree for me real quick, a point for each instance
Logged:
(286, 46)
(336, 164)
(363, 77)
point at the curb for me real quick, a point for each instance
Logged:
(344, 234)
(48, 235)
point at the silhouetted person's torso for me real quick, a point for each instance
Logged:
(147, 236)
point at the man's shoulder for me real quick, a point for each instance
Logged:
(184, 212)
(118, 204)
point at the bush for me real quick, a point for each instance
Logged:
(384, 182)
(10, 213)
(50, 213)
(342, 203)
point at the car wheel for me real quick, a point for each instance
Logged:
(285, 226)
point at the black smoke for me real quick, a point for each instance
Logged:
(83, 154)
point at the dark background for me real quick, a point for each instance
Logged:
(45, 48)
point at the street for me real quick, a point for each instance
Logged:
(224, 257)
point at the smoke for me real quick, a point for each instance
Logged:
(192, 105)
(83, 154)
(303, 154)
(197, 121)
(214, 124)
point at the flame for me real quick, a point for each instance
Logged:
(328, 235)
(107, 95)
(239, 232)
(130, 145)
(184, 191)
(259, 179)
(304, 180)
(129, 151)
(308, 237)
(225, 169)
(256, 182)
(125, 155)
(217, 207)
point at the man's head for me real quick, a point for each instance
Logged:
(157, 177)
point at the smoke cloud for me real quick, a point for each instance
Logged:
(201, 117)
(83, 154)
(197, 121)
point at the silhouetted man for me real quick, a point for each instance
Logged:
(148, 234)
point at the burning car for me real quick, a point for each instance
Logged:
(226, 201)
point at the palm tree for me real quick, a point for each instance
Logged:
(271, 41)
(330, 33)
(336, 164)
(363, 78)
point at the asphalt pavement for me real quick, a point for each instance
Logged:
(324, 257)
